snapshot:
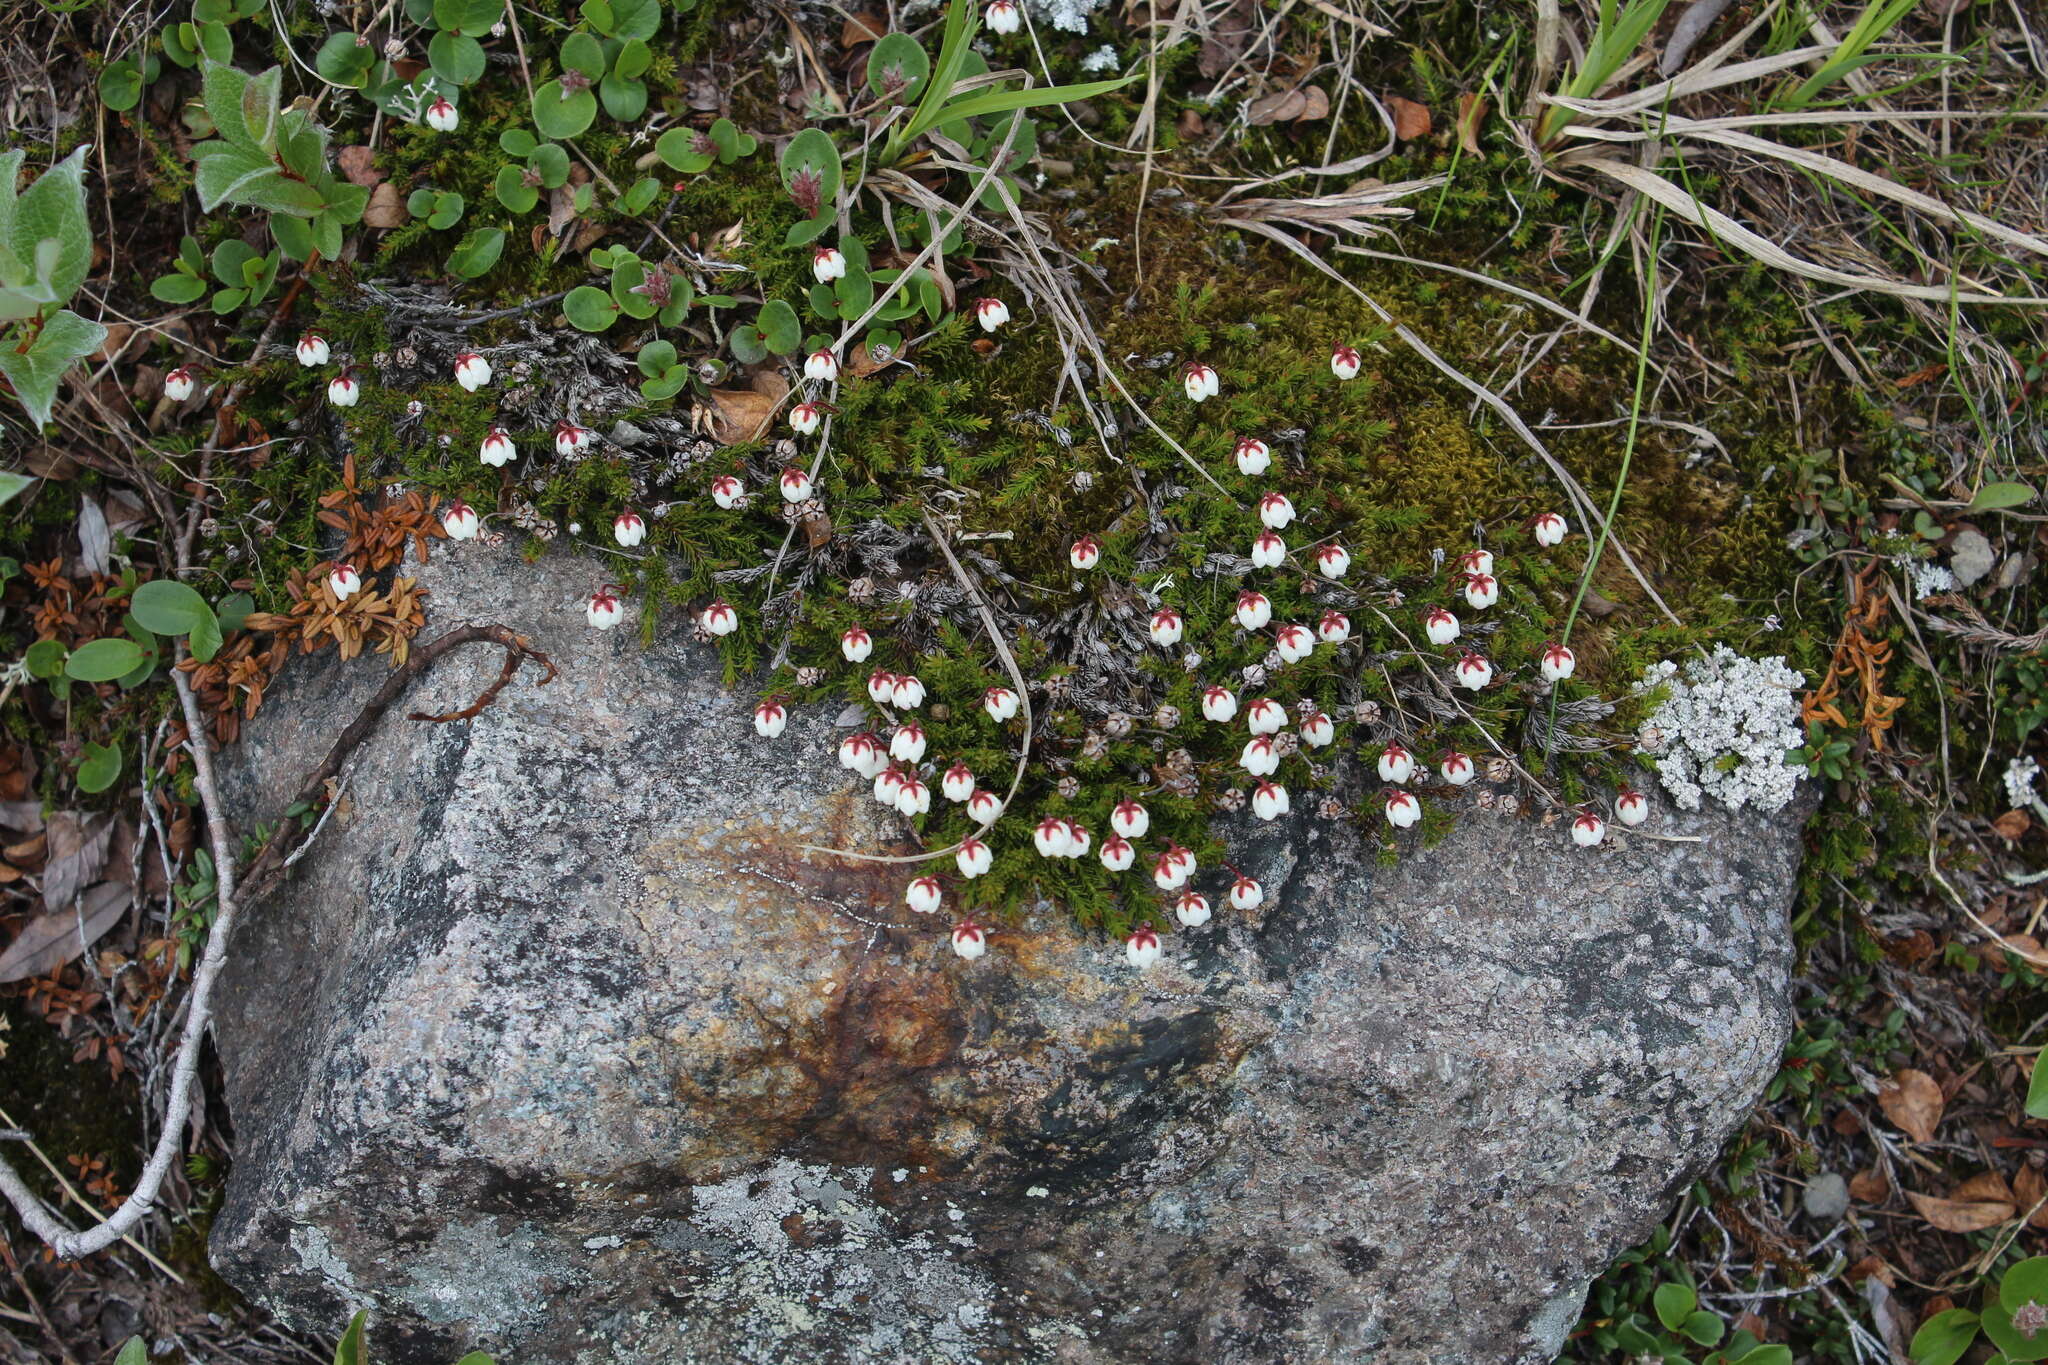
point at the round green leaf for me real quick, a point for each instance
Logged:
(581, 52)
(100, 767)
(624, 100)
(345, 60)
(294, 236)
(813, 159)
(98, 661)
(1998, 1326)
(44, 659)
(177, 287)
(477, 252)
(553, 164)
(1674, 1303)
(456, 58)
(121, 85)
(558, 113)
(749, 344)
(165, 606)
(2025, 1283)
(513, 191)
(897, 68)
(517, 142)
(781, 331)
(655, 358)
(447, 211)
(420, 203)
(590, 308)
(678, 147)
(1943, 1338)
(468, 16)
(633, 60)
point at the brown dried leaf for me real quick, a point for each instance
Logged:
(385, 209)
(49, 941)
(2030, 1189)
(1870, 1187)
(1278, 108)
(2012, 825)
(1913, 1102)
(357, 164)
(1318, 105)
(865, 27)
(78, 850)
(1984, 1187)
(1471, 118)
(742, 414)
(1960, 1215)
(1411, 120)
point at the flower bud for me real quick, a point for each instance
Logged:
(1079, 840)
(1456, 769)
(1254, 609)
(1402, 809)
(1167, 626)
(1275, 511)
(1246, 894)
(628, 529)
(770, 718)
(1130, 819)
(1344, 362)
(1085, 554)
(1476, 561)
(1334, 628)
(806, 418)
(1169, 872)
(855, 644)
(726, 491)
(1141, 949)
(441, 115)
(1269, 801)
(1117, 854)
(1000, 703)
(1317, 731)
(343, 581)
(342, 390)
(1631, 807)
(1473, 671)
(604, 609)
(1295, 643)
(923, 896)
(719, 618)
(991, 313)
(1254, 457)
(1440, 626)
(1192, 909)
(312, 350)
(984, 806)
(827, 265)
(1549, 528)
(459, 520)
(970, 940)
(1557, 663)
(1218, 703)
(958, 783)
(1588, 830)
(973, 858)
(1265, 716)
(1052, 838)
(472, 371)
(1333, 561)
(795, 485)
(821, 365)
(1481, 590)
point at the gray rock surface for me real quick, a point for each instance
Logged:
(556, 1046)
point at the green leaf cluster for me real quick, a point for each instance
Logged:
(45, 251)
(272, 158)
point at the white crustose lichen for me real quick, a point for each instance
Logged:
(1723, 729)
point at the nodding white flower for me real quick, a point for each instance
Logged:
(727, 490)
(1079, 840)
(604, 610)
(441, 115)
(1456, 768)
(460, 521)
(1481, 590)
(1254, 609)
(1397, 765)
(991, 313)
(1631, 807)
(1141, 949)
(881, 687)
(1269, 801)
(312, 350)
(1473, 671)
(571, 439)
(1218, 703)
(888, 782)
(907, 745)
(958, 783)
(1170, 872)
(821, 364)
(1549, 528)
(795, 485)
(342, 390)
(1261, 757)
(472, 371)
(1345, 362)
(1295, 643)
(1334, 627)
(1086, 553)
(1334, 561)
(970, 940)
(1005, 16)
(973, 858)
(1269, 551)
(628, 529)
(806, 418)
(497, 450)
(719, 618)
(1275, 510)
(923, 896)
(855, 644)
(1402, 809)
(1181, 856)
(1476, 561)
(1317, 731)
(1254, 457)
(1200, 381)
(770, 718)
(1000, 703)
(1052, 838)
(908, 693)
(1116, 853)
(1166, 626)
(984, 806)
(1265, 716)
(827, 265)
(861, 753)
(1192, 909)
(1588, 830)
(1557, 663)
(343, 581)
(1246, 894)
(1440, 626)
(1130, 819)
(913, 797)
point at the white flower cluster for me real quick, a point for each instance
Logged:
(2019, 781)
(1723, 730)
